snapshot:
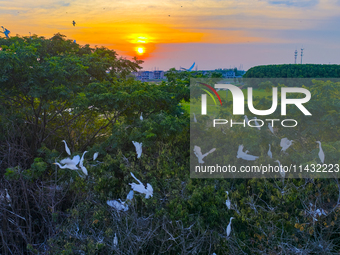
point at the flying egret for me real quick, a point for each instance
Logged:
(227, 202)
(195, 120)
(198, 153)
(141, 116)
(66, 148)
(130, 195)
(83, 168)
(148, 191)
(282, 172)
(270, 153)
(246, 119)
(270, 128)
(229, 227)
(115, 241)
(321, 154)
(69, 163)
(138, 147)
(74, 23)
(244, 155)
(257, 124)
(285, 143)
(95, 155)
(118, 205)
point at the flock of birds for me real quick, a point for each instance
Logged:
(285, 144)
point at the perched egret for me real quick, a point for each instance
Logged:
(69, 163)
(198, 153)
(95, 155)
(130, 195)
(270, 153)
(257, 124)
(74, 23)
(148, 191)
(8, 198)
(282, 172)
(285, 143)
(118, 205)
(244, 155)
(321, 154)
(138, 147)
(246, 119)
(83, 168)
(270, 128)
(195, 120)
(227, 202)
(141, 116)
(66, 148)
(229, 227)
(115, 241)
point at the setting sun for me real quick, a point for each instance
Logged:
(140, 50)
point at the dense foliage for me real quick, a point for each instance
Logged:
(54, 89)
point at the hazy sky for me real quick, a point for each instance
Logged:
(214, 34)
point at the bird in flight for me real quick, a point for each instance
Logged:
(74, 23)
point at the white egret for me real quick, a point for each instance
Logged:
(282, 172)
(270, 153)
(115, 241)
(118, 205)
(83, 168)
(227, 202)
(8, 198)
(95, 155)
(130, 195)
(148, 191)
(285, 143)
(66, 148)
(229, 227)
(321, 154)
(270, 128)
(246, 119)
(138, 147)
(195, 120)
(257, 124)
(69, 163)
(198, 153)
(244, 155)
(141, 117)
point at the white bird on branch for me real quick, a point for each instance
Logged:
(282, 172)
(195, 120)
(141, 117)
(83, 168)
(69, 163)
(95, 155)
(66, 148)
(270, 128)
(270, 153)
(130, 195)
(285, 143)
(321, 153)
(246, 119)
(119, 206)
(198, 153)
(244, 155)
(148, 191)
(227, 202)
(138, 147)
(229, 227)
(257, 124)
(115, 241)
(8, 198)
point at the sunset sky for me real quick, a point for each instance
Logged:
(165, 34)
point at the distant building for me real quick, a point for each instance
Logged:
(149, 75)
(229, 74)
